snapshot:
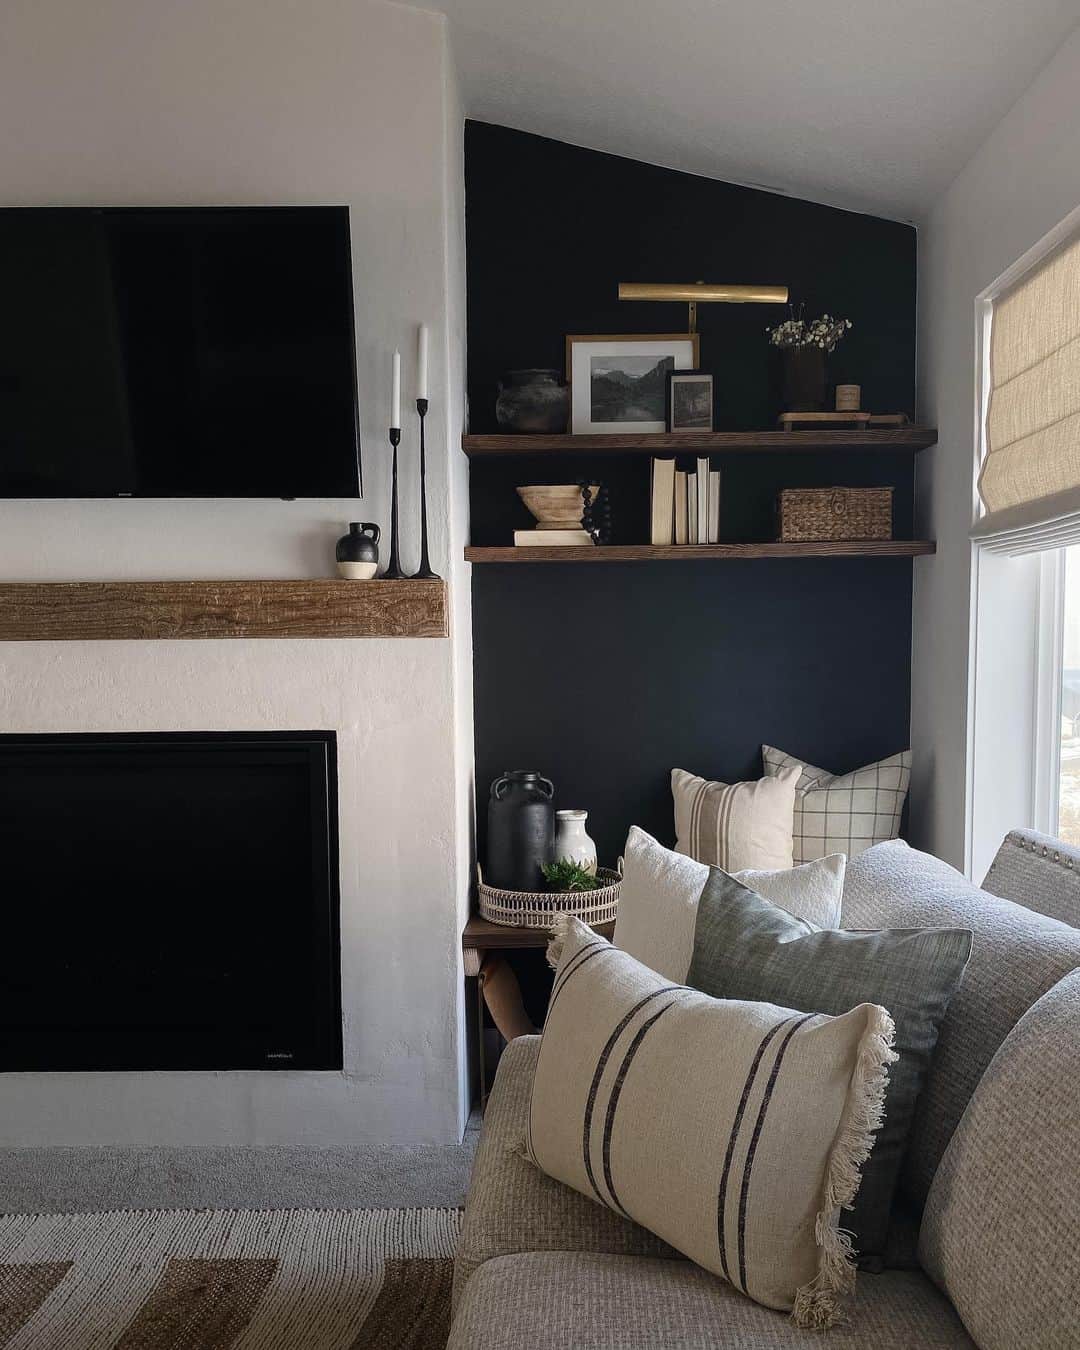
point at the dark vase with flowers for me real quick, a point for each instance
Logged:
(804, 378)
(805, 343)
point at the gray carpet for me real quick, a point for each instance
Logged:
(71, 1180)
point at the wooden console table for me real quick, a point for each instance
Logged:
(482, 946)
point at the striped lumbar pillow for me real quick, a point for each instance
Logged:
(735, 1131)
(735, 825)
(841, 813)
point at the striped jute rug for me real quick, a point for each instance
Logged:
(376, 1279)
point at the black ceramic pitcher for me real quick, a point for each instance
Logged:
(521, 830)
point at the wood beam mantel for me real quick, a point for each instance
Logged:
(88, 611)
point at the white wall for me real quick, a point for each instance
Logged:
(273, 101)
(1015, 189)
(459, 570)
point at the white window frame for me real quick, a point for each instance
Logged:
(1049, 654)
(1016, 641)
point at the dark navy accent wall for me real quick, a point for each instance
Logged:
(605, 676)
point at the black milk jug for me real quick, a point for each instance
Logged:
(521, 830)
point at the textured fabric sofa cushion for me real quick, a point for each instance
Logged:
(734, 1130)
(661, 889)
(512, 1206)
(570, 1301)
(736, 825)
(1038, 872)
(1001, 1231)
(1016, 957)
(747, 948)
(842, 813)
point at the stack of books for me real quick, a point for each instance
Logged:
(541, 538)
(685, 506)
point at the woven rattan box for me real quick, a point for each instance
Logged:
(811, 515)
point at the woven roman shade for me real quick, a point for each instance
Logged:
(1030, 478)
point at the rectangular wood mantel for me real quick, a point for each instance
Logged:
(88, 611)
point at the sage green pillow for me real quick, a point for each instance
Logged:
(747, 948)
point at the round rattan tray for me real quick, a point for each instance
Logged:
(540, 909)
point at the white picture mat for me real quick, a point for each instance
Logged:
(581, 380)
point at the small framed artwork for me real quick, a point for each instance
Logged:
(618, 384)
(689, 401)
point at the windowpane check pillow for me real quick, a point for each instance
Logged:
(745, 947)
(842, 813)
(736, 825)
(660, 891)
(734, 1131)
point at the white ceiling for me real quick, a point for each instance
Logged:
(872, 104)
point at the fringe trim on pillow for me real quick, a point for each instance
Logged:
(817, 1304)
(560, 931)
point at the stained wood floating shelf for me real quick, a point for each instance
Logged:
(846, 548)
(889, 439)
(88, 611)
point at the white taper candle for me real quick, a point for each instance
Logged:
(421, 362)
(395, 397)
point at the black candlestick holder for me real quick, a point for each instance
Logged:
(425, 565)
(393, 567)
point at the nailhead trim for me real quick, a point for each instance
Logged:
(1033, 847)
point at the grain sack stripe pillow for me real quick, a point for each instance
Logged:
(735, 825)
(721, 1199)
(754, 1138)
(734, 1131)
(721, 799)
(616, 1091)
(594, 1088)
(587, 952)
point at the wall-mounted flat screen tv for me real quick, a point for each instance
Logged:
(177, 352)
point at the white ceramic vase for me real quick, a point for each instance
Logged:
(572, 842)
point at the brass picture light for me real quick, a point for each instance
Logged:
(702, 292)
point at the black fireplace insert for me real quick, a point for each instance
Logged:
(170, 901)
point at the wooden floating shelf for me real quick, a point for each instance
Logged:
(840, 548)
(716, 442)
(89, 611)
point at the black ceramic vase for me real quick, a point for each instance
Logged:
(804, 379)
(521, 830)
(532, 401)
(357, 552)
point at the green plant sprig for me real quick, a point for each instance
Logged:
(567, 875)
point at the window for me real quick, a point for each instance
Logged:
(1066, 772)
(1024, 695)
(1029, 478)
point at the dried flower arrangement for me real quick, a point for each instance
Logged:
(824, 332)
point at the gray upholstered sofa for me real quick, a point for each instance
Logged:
(989, 1252)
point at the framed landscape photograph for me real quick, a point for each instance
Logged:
(618, 383)
(689, 401)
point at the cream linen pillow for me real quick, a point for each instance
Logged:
(736, 825)
(734, 1131)
(658, 900)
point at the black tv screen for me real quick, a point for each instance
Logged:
(177, 352)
